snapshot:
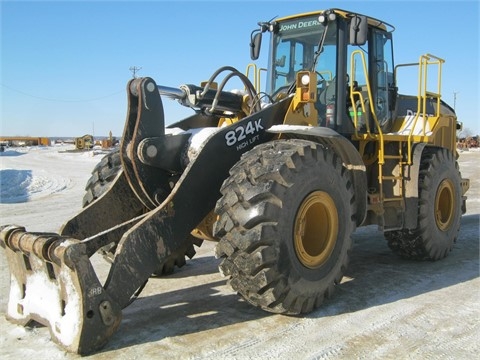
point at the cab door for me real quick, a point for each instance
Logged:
(381, 76)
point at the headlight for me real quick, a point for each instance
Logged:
(305, 80)
(328, 15)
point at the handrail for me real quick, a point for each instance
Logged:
(424, 62)
(256, 75)
(381, 159)
(328, 72)
(255, 80)
(437, 94)
(258, 85)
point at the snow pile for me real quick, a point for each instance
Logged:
(21, 185)
(31, 173)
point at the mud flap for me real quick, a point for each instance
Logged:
(54, 283)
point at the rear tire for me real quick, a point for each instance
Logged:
(102, 176)
(439, 210)
(285, 220)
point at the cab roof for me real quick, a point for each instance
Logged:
(344, 14)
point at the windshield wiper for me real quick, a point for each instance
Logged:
(320, 48)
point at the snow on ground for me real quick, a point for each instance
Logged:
(385, 308)
(36, 178)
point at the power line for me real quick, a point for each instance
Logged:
(57, 99)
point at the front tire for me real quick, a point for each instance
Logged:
(102, 176)
(439, 211)
(285, 221)
(100, 182)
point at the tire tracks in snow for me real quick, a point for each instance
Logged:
(25, 185)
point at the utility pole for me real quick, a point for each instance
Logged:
(134, 70)
(455, 99)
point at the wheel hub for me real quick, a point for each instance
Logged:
(316, 229)
(444, 205)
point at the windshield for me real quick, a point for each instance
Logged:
(294, 47)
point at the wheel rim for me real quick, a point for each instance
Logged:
(444, 205)
(316, 229)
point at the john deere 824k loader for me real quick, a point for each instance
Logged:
(280, 179)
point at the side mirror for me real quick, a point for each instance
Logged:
(358, 30)
(255, 44)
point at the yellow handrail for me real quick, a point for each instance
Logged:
(256, 75)
(381, 159)
(258, 85)
(247, 74)
(424, 62)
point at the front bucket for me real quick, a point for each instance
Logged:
(54, 284)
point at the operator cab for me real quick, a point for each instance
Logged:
(352, 56)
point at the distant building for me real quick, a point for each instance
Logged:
(24, 141)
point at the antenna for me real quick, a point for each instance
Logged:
(134, 70)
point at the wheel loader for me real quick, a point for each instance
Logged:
(280, 178)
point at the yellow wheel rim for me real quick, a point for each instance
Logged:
(444, 205)
(316, 229)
